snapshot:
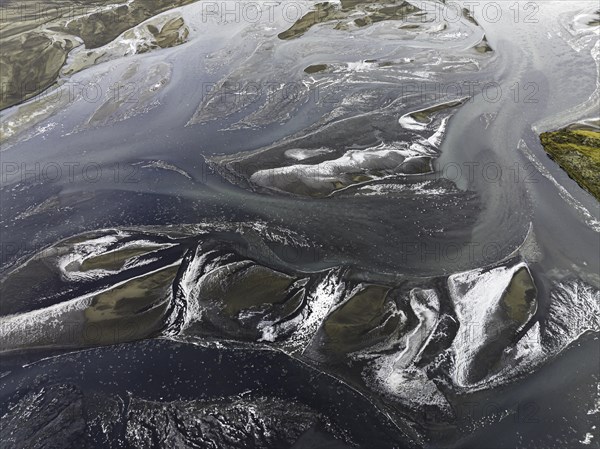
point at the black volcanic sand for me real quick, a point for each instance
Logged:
(141, 382)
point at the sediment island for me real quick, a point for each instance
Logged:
(577, 151)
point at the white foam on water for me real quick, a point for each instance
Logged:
(418, 188)
(384, 156)
(362, 66)
(518, 360)
(407, 122)
(300, 154)
(476, 296)
(193, 279)
(59, 324)
(319, 303)
(409, 385)
(596, 407)
(589, 219)
(69, 264)
(395, 372)
(50, 323)
(164, 166)
(82, 251)
(574, 311)
(436, 139)
(412, 387)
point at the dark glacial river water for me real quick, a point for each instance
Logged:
(350, 237)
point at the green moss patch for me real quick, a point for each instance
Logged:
(367, 317)
(519, 299)
(578, 153)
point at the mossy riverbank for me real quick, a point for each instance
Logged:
(577, 151)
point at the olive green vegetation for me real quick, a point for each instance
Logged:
(100, 28)
(323, 12)
(372, 11)
(161, 32)
(425, 115)
(315, 68)
(483, 46)
(130, 311)
(577, 151)
(30, 63)
(133, 297)
(518, 299)
(518, 305)
(247, 287)
(169, 35)
(114, 260)
(35, 40)
(366, 317)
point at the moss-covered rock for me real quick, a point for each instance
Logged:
(577, 151)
